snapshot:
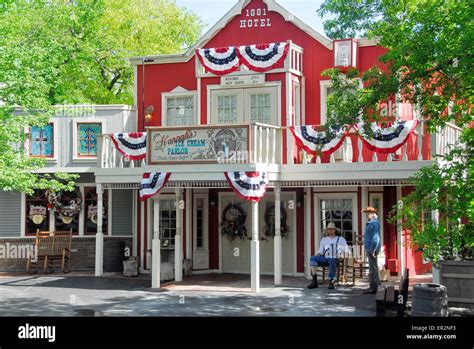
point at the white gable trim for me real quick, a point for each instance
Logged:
(236, 10)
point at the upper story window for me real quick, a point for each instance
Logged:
(326, 90)
(227, 109)
(41, 141)
(85, 134)
(180, 111)
(179, 107)
(242, 106)
(260, 108)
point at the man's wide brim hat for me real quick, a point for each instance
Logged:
(369, 209)
(331, 226)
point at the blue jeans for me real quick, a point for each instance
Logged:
(323, 261)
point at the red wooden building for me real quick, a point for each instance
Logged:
(243, 88)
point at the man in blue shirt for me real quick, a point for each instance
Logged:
(372, 247)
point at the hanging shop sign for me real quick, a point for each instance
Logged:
(211, 144)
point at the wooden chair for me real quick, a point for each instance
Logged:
(50, 247)
(60, 249)
(391, 298)
(42, 248)
(343, 272)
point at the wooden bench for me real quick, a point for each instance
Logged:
(392, 298)
(51, 247)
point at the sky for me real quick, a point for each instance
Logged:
(211, 11)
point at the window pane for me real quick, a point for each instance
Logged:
(227, 109)
(42, 141)
(180, 111)
(260, 109)
(87, 138)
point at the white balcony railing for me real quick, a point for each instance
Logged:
(265, 146)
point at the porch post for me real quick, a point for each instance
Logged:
(156, 246)
(400, 247)
(277, 241)
(178, 239)
(364, 203)
(255, 251)
(307, 231)
(99, 237)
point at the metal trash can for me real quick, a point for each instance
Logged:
(429, 300)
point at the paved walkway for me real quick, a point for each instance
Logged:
(201, 295)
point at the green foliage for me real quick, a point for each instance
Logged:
(429, 63)
(447, 187)
(430, 56)
(54, 52)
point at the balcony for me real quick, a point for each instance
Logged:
(293, 64)
(202, 152)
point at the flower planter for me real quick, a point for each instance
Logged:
(458, 277)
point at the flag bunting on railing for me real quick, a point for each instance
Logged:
(250, 186)
(315, 141)
(387, 139)
(152, 183)
(264, 57)
(131, 145)
(260, 58)
(219, 61)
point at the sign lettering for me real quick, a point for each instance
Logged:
(252, 22)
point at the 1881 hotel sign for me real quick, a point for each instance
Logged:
(206, 144)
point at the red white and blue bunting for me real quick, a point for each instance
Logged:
(131, 145)
(219, 61)
(152, 183)
(259, 58)
(264, 57)
(388, 139)
(314, 141)
(250, 186)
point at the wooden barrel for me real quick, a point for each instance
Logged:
(114, 254)
(429, 300)
(458, 277)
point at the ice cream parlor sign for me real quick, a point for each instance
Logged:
(208, 144)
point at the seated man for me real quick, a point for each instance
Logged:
(330, 248)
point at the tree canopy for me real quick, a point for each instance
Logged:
(429, 62)
(68, 52)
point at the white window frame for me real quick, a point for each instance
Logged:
(243, 95)
(213, 98)
(75, 123)
(54, 159)
(324, 85)
(248, 92)
(317, 210)
(205, 198)
(180, 93)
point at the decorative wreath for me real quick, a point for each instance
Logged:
(233, 222)
(67, 212)
(269, 218)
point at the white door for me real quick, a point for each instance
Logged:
(236, 253)
(267, 230)
(239, 106)
(200, 232)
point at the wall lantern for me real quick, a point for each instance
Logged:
(149, 113)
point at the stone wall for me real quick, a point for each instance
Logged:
(82, 254)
